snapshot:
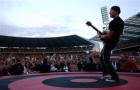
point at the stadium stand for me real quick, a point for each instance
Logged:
(42, 54)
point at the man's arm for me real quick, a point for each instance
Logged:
(108, 35)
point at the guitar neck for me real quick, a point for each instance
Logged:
(96, 29)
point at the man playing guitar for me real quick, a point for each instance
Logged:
(110, 39)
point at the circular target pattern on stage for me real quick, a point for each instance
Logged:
(69, 81)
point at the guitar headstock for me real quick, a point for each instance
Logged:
(88, 23)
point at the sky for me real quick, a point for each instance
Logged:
(54, 18)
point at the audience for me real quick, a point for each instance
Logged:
(22, 63)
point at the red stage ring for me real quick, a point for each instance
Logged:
(35, 83)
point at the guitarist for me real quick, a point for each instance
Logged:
(111, 38)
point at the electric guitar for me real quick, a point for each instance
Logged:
(88, 23)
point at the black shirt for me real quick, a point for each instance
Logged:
(116, 25)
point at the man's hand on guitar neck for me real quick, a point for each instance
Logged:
(98, 33)
(101, 36)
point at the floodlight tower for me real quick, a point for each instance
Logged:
(105, 17)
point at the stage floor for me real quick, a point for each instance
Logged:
(69, 81)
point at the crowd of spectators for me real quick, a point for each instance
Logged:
(126, 63)
(31, 63)
(23, 63)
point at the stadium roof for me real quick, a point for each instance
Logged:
(55, 42)
(131, 30)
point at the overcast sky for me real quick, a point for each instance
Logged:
(52, 18)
